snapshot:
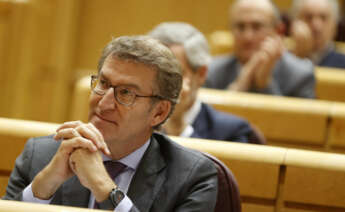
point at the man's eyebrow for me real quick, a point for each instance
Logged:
(131, 85)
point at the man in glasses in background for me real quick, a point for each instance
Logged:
(116, 161)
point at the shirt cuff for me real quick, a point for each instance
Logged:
(125, 205)
(28, 196)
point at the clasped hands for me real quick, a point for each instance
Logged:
(257, 71)
(78, 154)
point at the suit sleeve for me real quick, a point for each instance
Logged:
(202, 188)
(19, 178)
(306, 87)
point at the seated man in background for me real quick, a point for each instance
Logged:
(260, 63)
(193, 118)
(116, 161)
(313, 30)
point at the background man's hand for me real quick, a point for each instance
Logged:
(257, 72)
(270, 52)
(302, 38)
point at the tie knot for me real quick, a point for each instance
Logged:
(114, 168)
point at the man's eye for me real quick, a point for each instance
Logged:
(125, 91)
(103, 84)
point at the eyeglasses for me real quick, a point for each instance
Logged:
(255, 27)
(123, 94)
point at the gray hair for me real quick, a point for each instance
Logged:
(150, 52)
(193, 41)
(297, 4)
(275, 11)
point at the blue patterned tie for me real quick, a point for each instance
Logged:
(113, 168)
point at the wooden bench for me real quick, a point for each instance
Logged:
(280, 179)
(270, 178)
(284, 121)
(15, 206)
(329, 83)
(13, 136)
(258, 181)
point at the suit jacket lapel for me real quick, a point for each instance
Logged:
(74, 194)
(148, 179)
(201, 123)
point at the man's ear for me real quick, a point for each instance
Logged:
(202, 74)
(160, 112)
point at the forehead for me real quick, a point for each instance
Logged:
(252, 11)
(316, 6)
(180, 54)
(127, 72)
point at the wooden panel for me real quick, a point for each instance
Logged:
(15, 206)
(340, 46)
(280, 118)
(13, 136)
(336, 136)
(138, 17)
(315, 178)
(12, 146)
(248, 207)
(329, 83)
(3, 185)
(80, 106)
(4, 10)
(40, 64)
(300, 210)
(11, 20)
(319, 187)
(255, 179)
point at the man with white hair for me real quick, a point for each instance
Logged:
(313, 30)
(260, 63)
(191, 117)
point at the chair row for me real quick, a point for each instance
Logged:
(295, 122)
(270, 178)
(14, 206)
(291, 122)
(280, 179)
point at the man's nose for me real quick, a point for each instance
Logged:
(108, 101)
(248, 33)
(317, 24)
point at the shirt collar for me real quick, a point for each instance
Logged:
(190, 116)
(317, 57)
(132, 160)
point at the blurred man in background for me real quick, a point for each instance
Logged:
(192, 118)
(260, 63)
(313, 30)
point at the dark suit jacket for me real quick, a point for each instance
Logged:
(212, 124)
(333, 59)
(169, 177)
(291, 76)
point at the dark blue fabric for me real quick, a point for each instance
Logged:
(212, 124)
(334, 60)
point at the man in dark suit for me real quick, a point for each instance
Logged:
(260, 64)
(192, 118)
(313, 30)
(116, 161)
